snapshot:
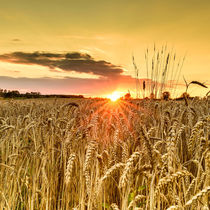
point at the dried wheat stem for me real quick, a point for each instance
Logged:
(198, 196)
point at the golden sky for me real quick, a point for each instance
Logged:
(109, 32)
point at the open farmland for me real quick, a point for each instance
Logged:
(96, 154)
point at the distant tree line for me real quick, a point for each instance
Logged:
(16, 94)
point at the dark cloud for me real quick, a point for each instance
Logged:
(73, 61)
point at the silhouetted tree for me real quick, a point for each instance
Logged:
(12, 94)
(166, 95)
(127, 96)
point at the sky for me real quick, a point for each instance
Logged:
(86, 47)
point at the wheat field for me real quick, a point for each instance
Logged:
(94, 154)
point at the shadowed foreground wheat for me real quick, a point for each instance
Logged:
(141, 154)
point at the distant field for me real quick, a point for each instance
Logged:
(96, 154)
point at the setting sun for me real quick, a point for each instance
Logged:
(114, 96)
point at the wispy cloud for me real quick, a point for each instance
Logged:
(16, 40)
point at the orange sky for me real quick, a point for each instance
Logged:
(103, 36)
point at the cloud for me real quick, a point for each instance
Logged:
(72, 61)
(109, 76)
(16, 40)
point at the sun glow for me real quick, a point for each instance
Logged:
(114, 96)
